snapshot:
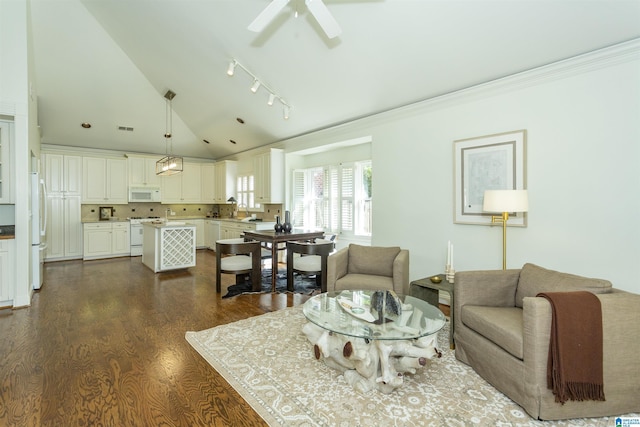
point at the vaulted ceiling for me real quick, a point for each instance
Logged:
(109, 63)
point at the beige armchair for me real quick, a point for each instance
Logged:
(369, 267)
(502, 330)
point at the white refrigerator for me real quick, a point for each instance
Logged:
(38, 229)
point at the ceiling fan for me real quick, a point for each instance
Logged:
(317, 8)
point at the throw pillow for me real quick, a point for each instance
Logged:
(375, 260)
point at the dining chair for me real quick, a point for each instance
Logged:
(236, 256)
(312, 260)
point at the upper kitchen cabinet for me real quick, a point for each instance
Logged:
(183, 187)
(104, 180)
(225, 180)
(63, 174)
(208, 183)
(142, 171)
(6, 135)
(268, 169)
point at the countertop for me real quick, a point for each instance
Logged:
(168, 224)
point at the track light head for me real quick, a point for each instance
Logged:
(232, 68)
(285, 112)
(272, 98)
(256, 85)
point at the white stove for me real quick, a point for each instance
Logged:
(137, 232)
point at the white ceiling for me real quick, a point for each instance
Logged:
(110, 63)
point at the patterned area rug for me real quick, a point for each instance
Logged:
(275, 371)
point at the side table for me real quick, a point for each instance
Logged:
(428, 291)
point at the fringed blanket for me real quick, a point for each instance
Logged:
(574, 368)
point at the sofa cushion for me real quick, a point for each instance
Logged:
(500, 325)
(376, 260)
(363, 281)
(534, 280)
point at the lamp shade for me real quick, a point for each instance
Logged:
(505, 201)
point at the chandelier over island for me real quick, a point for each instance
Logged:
(170, 164)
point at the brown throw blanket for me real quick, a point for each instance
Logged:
(574, 368)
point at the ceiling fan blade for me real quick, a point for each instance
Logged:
(328, 23)
(267, 15)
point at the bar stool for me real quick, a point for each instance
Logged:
(312, 260)
(244, 258)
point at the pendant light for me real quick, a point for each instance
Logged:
(170, 164)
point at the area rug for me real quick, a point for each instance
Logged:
(273, 368)
(301, 285)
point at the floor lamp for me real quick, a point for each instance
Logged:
(505, 201)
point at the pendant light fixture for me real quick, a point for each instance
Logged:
(170, 164)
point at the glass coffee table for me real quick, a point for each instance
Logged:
(373, 338)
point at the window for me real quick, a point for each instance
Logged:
(246, 192)
(336, 198)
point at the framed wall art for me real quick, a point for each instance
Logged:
(492, 162)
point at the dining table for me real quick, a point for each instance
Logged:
(275, 238)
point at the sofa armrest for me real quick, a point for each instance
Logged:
(337, 264)
(620, 324)
(401, 273)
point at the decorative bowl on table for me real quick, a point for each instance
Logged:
(436, 279)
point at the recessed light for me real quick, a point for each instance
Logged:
(240, 120)
(232, 141)
(206, 142)
(86, 125)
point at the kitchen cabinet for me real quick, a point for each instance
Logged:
(142, 171)
(207, 186)
(225, 180)
(104, 181)
(63, 180)
(106, 240)
(268, 171)
(7, 271)
(183, 187)
(63, 174)
(6, 137)
(212, 233)
(64, 227)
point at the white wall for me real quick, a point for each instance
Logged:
(582, 118)
(18, 100)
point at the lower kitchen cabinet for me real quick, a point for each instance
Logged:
(7, 271)
(106, 240)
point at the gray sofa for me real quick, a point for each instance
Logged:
(502, 330)
(369, 267)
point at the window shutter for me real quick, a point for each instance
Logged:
(298, 198)
(346, 187)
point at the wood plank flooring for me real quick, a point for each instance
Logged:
(103, 345)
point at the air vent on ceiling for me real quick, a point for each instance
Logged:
(125, 128)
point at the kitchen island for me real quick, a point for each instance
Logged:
(169, 245)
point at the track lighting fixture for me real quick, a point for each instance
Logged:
(285, 112)
(257, 84)
(232, 68)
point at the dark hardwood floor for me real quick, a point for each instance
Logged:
(103, 345)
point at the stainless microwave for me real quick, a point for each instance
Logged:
(144, 194)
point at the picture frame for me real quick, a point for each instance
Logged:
(106, 213)
(490, 162)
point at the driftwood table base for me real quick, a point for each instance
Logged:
(371, 364)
